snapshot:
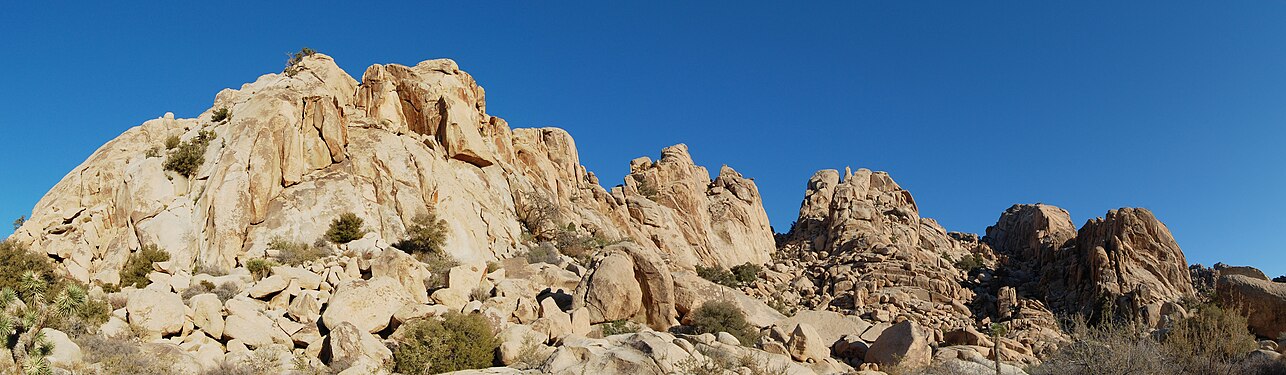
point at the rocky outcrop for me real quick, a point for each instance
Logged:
(301, 149)
(1126, 261)
(628, 283)
(1262, 301)
(860, 247)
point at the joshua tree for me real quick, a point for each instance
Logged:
(997, 331)
(25, 319)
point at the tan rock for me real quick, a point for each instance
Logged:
(806, 345)
(902, 345)
(65, 352)
(207, 313)
(1262, 302)
(350, 344)
(369, 305)
(156, 312)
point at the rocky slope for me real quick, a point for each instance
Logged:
(301, 149)
(553, 261)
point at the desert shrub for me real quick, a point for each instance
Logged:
(153, 152)
(17, 223)
(295, 59)
(572, 243)
(647, 189)
(439, 265)
(459, 342)
(480, 294)
(539, 215)
(1211, 341)
(188, 156)
(16, 259)
(345, 228)
(427, 233)
(83, 317)
(720, 363)
(530, 355)
(220, 115)
(139, 265)
(226, 291)
(724, 316)
(746, 273)
(618, 327)
(543, 253)
(1210, 335)
(718, 275)
(296, 253)
(969, 262)
(261, 362)
(260, 267)
(172, 141)
(1280, 279)
(121, 357)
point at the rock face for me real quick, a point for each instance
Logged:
(628, 283)
(902, 345)
(301, 149)
(1262, 301)
(860, 247)
(1127, 259)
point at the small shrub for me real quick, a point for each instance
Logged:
(1212, 334)
(619, 327)
(226, 291)
(121, 357)
(296, 253)
(539, 215)
(188, 156)
(17, 223)
(200, 288)
(648, 190)
(172, 141)
(480, 294)
(427, 233)
(747, 273)
(724, 316)
(221, 114)
(295, 59)
(260, 267)
(139, 265)
(543, 253)
(718, 275)
(346, 228)
(969, 262)
(530, 355)
(209, 269)
(439, 265)
(153, 152)
(1280, 279)
(16, 259)
(459, 342)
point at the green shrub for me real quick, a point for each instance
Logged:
(426, 234)
(439, 264)
(1212, 334)
(459, 342)
(260, 267)
(718, 275)
(139, 265)
(188, 156)
(747, 273)
(172, 141)
(295, 59)
(543, 253)
(220, 115)
(296, 253)
(724, 316)
(346, 228)
(16, 259)
(123, 357)
(619, 327)
(969, 262)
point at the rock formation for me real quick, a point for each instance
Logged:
(300, 149)
(1126, 261)
(1261, 300)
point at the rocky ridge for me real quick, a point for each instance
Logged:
(861, 282)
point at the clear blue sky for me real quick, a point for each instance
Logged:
(1179, 107)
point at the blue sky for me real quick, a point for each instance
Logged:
(1179, 107)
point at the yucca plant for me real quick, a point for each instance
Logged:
(24, 320)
